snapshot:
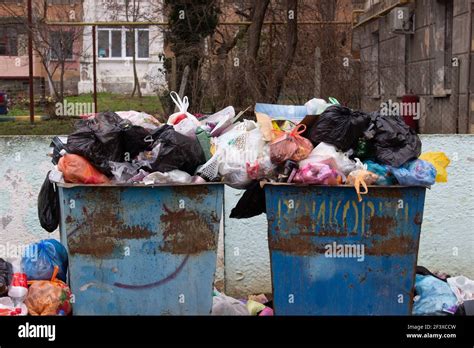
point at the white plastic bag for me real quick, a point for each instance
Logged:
(123, 171)
(236, 149)
(141, 119)
(316, 106)
(226, 305)
(462, 287)
(188, 125)
(222, 120)
(172, 177)
(328, 154)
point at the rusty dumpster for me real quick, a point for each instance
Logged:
(333, 255)
(141, 250)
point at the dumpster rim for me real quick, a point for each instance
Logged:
(70, 185)
(266, 183)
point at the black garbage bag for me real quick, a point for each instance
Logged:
(393, 140)
(58, 144)
(177, 151)
(339, 126)
(107, 137)
(48, 206)
(136, 139)
(5, 276)
(252, 202)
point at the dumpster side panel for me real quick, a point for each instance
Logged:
(333, 255)
(141, 250)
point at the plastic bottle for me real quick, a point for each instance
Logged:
(19, 286)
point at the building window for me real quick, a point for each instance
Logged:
(120, 43)
(61, 45)
(8, 42)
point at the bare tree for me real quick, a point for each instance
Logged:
(56, 46)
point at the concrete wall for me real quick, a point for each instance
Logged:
(447, 241)
(420, 63)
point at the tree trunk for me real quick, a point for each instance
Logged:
(254, 33)
(273, 91)
(136, 81)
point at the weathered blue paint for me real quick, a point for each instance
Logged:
(303, 221)
(139, 250)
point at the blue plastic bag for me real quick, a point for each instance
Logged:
(415, 173)
(382, 170)
(40, 258)
(434, 296)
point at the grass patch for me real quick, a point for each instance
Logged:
(105, 101)
(47, 127)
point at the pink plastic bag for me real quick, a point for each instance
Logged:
(318, 173)
(290, 146)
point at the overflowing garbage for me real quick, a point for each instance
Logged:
(322, 143)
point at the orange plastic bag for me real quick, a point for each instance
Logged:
(361, 177)
(290, 146)
(49, 297)
(76, 169)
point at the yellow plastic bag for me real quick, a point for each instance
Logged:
(440, 161)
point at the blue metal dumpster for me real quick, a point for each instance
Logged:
(333, 255)
(141, 250)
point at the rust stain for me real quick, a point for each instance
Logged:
(381, 225)
(399, 245)
(418, 219)
(186, 232)
(194, 193)
(333, 230)
(296, 244)
(303, 220)
(69, 219)
(105, 231)
(385, 193)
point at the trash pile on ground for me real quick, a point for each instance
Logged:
(441, 294)
(35, 282)
(254, 305)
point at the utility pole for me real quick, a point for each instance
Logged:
(30, 62)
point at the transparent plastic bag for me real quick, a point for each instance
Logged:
(49, 297)
(182, 121)
(240, 148)
(141, 119)
(290, 146)
(123, 171)
(172, 177)
(414, 173)
(328, 154)
(361, 177)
